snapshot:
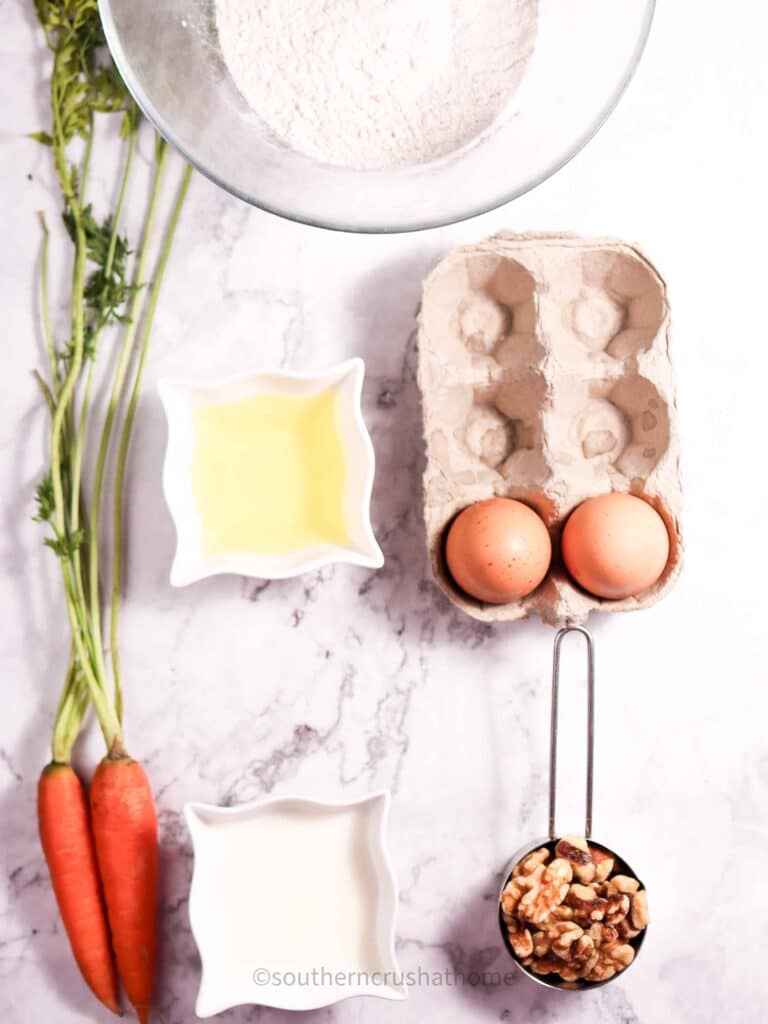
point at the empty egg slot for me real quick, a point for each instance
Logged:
(621, 304)
(648, 416)
(595, 318)
(520, 402)
(604, 431)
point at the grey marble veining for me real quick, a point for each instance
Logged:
(347, 680)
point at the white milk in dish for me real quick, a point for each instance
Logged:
(289, 895)
(312, 887)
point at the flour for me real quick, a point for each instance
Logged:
(376, 83)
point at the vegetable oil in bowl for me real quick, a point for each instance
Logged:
(269, 473)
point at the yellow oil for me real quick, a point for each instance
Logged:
(269, 474)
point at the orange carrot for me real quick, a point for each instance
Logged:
(65, 832)
(125, 835)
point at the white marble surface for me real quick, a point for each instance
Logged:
(348, 680)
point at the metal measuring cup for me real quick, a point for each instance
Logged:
(620, 866)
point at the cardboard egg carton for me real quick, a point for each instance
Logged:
(545, 376)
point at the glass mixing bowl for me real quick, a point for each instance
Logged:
(585, 55)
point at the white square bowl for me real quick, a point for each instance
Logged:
(180, 400)
(293, 903)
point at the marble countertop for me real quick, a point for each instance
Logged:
(348, 680)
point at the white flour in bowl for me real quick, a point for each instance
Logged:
(376, 83)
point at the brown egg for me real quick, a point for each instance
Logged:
(498, 550)
(615, 545)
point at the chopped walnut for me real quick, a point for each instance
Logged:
(639, 912)
(625, 930)
(575, 850)
(601, 971)
(538, 903)
(623, 883)
(546, 965)
(520, 940)
(617, 908)
(621, 953)
(510, 897)
(587, 905)
(531, 862)
(611, 959)
(561, 913)
(541, 944)
(517, 886)
(559, 870)
(562, 937)
(533, 878)
(584, 954)
(542, 898)
(569, 973)
(603, 934)
(555, 938)
(604, 863)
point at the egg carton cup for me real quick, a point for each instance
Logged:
(545, 376)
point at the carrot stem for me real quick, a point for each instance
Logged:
(125, 436)
(105, 712)
(86, 163)
(115, 398)
(77, 454)
(79, 446)
(45, 311)
(69, 717)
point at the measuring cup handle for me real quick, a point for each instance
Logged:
(559, 637)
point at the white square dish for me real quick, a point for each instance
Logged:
(293, 903)
(181, 399)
